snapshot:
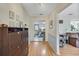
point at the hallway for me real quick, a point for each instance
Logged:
(29, 25)
(40, 49)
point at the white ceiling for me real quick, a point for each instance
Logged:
(36, 9)
(70, 12)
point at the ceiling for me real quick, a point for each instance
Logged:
(39, 9)
(70, 12)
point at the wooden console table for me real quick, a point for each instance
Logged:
(73, 39)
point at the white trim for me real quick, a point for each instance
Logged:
(57, 37)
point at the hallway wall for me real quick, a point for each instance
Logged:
(17, 9)
(53, 33)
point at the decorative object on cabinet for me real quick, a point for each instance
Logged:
(20, 24)
(11, 23)
(25, 25)
(17, 24)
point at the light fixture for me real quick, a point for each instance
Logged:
(41, 6)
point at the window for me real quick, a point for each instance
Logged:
(74, 25)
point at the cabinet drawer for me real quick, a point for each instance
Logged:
(73, 41)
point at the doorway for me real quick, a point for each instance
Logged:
(39, 30)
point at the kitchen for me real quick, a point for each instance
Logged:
(69, 30)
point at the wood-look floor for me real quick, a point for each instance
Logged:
(69, 50)
(40, 49)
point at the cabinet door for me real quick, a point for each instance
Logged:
(5, 41)
(73, 41)
(14, 43)
(0, 42)
(18, 38)
(24, 43)
(17, 43)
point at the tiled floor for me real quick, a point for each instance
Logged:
(39, 49)
(69, 50)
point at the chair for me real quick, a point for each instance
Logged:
(62, 40)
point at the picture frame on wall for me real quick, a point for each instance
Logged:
(36, 27)
(17, 17)
(11, 14)
(51, 24)
(60, 21)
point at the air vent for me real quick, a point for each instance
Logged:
(70, 14)
(41, 14)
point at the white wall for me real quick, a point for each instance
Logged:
(52, 34)
(17, 9)
(4, 13)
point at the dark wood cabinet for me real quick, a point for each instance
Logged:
(4, 42)
(13, 41)
(73, 39)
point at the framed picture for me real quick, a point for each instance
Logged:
(60, 21)
(36, 26)
(51, 24)
(11, 14)
(17, 17)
